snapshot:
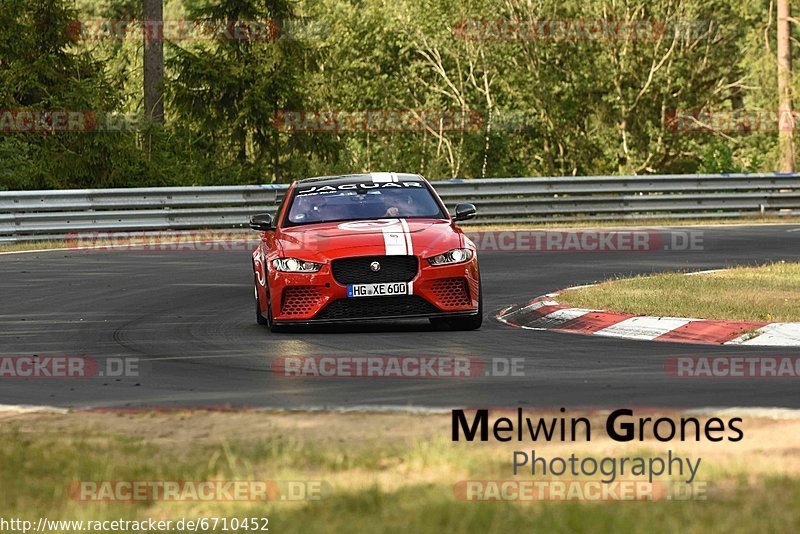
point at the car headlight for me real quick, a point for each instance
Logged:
(293, 265)
(457, 255)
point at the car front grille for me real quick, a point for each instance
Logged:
(372, 307)
(392, 269)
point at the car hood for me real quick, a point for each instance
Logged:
(378, 237)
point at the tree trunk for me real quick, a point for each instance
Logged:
(153, 60)
(786, 119)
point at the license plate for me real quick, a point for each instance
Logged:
(377, 290)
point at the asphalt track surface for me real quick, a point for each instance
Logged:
(189, 316)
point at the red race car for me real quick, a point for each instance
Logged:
(378, 246)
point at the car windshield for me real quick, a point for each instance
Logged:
(359, 201)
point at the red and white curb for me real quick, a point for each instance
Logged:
(545, 313)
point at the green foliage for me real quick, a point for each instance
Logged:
(549, 106)
(720, 159)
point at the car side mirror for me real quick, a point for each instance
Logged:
(262, 223)
(465, 212)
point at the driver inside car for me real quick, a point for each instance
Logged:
(397, 206)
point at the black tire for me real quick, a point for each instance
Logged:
(472, 322)
(274, 328)
(267, 321)
(260, 319)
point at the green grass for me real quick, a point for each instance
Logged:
(764, 293)
(32, 245)
(431, 509)
(35, 469)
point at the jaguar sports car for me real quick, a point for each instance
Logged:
(379, 246)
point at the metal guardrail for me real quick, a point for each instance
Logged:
(39, 215)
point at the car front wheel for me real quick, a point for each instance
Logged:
(260, 319)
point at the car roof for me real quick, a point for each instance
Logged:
(362, 178)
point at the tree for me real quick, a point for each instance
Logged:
(786, 118)
(230, 88)
(153, 60)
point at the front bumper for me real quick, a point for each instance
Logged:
(310, 322)
(445, 291)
